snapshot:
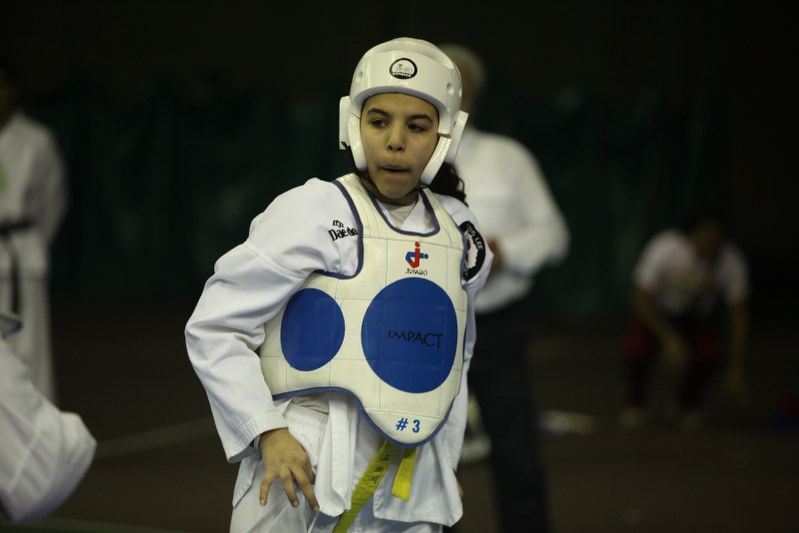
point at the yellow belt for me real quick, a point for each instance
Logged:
(371, 479)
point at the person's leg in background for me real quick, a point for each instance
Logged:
(638, 355)
(706, 355)
(500, 379)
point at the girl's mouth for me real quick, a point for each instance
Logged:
(394, 169)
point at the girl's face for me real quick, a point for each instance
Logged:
(399, 134)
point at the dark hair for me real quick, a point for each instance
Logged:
(446, 181)
(702, 215)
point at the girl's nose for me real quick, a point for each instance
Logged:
(396, 140)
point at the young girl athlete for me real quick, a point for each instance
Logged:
(334, 342)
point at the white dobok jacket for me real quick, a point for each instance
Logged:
(307, 229)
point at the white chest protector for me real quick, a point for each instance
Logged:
(392, 335)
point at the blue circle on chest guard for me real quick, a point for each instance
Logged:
(312, 330)
(410, 335)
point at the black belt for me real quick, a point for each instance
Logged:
(9, 226)
(6, 229)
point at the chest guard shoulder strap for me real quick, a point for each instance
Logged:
(392, 335)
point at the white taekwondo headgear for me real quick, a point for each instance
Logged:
(410, 66)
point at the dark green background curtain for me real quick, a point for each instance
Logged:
(164, 183)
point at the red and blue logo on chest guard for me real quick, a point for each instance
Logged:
(415, 257)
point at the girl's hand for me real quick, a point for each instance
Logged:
(496, 265)
(285, 458)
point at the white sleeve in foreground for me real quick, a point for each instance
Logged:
(45, 452)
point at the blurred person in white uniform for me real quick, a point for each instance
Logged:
(689, 309)
(33, 202)
(518, 215)
(44, 452)
(334, 343)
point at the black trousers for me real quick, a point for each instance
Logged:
(501, 381)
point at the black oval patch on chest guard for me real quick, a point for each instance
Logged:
(474, 250)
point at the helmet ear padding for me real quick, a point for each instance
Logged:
(343, 117)
(446, 149)
(349, 132)
(458, 125)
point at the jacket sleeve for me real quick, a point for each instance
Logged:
(45, 452)
(52, 196)
(542, 235)
(249, 286)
